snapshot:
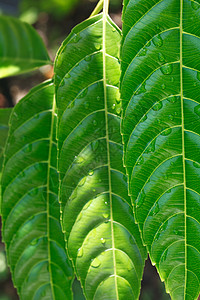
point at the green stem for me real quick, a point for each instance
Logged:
(98, 8)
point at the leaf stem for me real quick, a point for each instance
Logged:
(98, 8)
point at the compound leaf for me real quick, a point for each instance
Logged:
(21, 48)
(30, 209)
(102, 238)
(160, 87)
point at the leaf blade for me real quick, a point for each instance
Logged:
(89, 122)
(30, 209)
(22, 49)
(158, 133)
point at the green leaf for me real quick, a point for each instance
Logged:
(21, 48)
(30, 209)
(160, 89)
(102, 238)
(4, 118)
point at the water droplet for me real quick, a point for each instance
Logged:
(91, 173)
(197, 110)
(88, 58)
(196, 165)
(171, 117)
(94, 190)
(98, 98)
(105, 215)
(84, 93)
(166, 132)
(156, 209)
(106, 203)
(113, 29)
(159, 121)
(94, 122)
(163, 86)
(79, 217)
(195, 84)
(148, 44)
(194, 5)
(143, 119)
(157, 41)
(118, 100)
(28, 148)
(175, 231)
(167, 69)
(67, 76)
(82, 181)
(118, 110)
(140, 200)
(95, 263)
(172, 99)
(141, 90)
(97, 46)
(168, 191)
(103, 240)
(161, 57)
(151, 147)
(143, 52)
(157, 106)
(76, 38)
(34, 242)
(172, 79)
(80, 252)
(79, 160)
(140, 161)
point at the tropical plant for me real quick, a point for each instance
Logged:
(63, 164)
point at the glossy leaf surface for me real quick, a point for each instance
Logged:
(30, 209)
(102, 239)
(21, 48)
(4, 118)
(160, 88)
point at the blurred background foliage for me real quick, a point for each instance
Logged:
(54, 19)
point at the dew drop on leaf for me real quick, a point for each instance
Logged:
(148, 44)
(80, 252)
(105, 215)
(94, 122)
(140, 161)
(67, 76)
(91, 173)
(157, 106)
(88, 58)
(103, 240)
(166, 132)
(79, 160)
(172, 99)
(84, 93)
(171, 117)
(157, 41)
(161, 57)
(98, 98)
(195, 84)
(144, 118)
(167, 69)
(163, 86)
(143, 52)
(76, 38)
(97, 46)
(95, 263)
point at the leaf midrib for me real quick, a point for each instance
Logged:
(105, 13)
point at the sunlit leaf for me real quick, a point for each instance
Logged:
(21, 48)
(160, 88)
(102, 238)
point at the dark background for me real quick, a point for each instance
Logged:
(54, 19)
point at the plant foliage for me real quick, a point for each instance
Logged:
(21, 48)
(161, 113)
(30, 208)
(102, 239)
